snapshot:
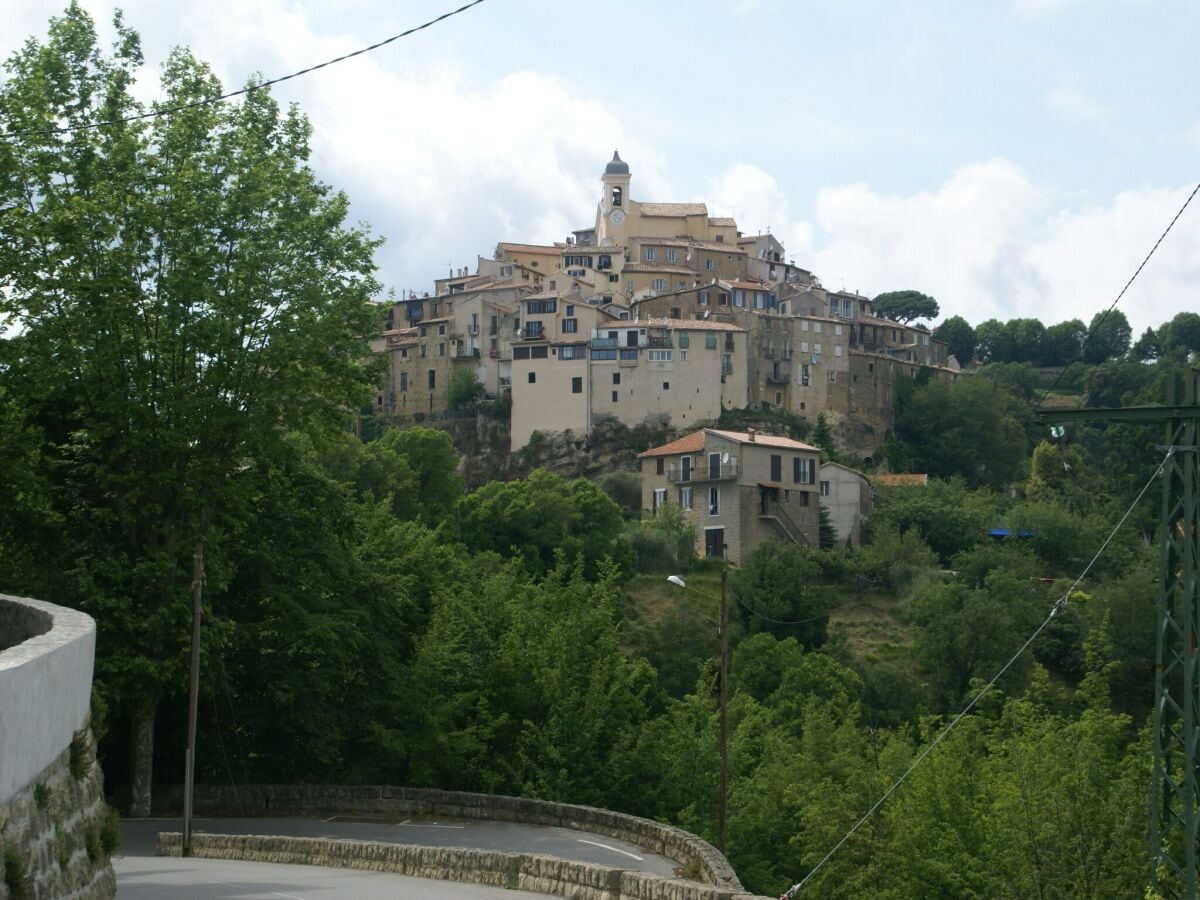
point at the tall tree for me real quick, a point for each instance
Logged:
(1109, 336)
(904, 306)
(184, 291)
(960, 336)
(1062, 342)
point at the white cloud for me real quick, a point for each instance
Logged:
(989, 242)
(1074, 104)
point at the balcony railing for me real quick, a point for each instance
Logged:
(656, 340)
(704, 471)
(493, 352)
(777, 378)
(533, 332)
(473, 328)
(604, 343)
(467, 352)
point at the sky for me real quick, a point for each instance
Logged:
(1011, 158)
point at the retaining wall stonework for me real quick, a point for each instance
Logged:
(691, 852)
(52, 809)
(521, 871)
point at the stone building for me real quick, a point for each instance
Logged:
(846, 494)
(737, 488)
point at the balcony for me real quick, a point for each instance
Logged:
(705, 471)
(467, 353)
(533, 331)
(777, 378)
(659, 341)
(604, 343)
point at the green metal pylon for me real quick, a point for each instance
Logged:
(1175, 789)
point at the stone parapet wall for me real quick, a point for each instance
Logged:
(519, 871)
(53, 839)
(691, 852)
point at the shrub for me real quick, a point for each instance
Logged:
(14, 875)
(110, 833)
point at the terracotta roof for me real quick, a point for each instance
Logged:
(694, 442)
(768, 440)
(899, 479)
(722, 220)
(890, 323)
(436, 321)
(688, 324)
(673, 209)
(749, 285)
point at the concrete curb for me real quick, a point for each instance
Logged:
(521, 871)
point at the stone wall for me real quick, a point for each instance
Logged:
(519, 871)
(53, 833)
(691, 852)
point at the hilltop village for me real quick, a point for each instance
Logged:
(654, 312)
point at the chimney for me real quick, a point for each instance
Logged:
(750, 435)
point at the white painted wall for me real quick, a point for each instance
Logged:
(45, 693)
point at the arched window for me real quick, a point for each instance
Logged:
(616, 196)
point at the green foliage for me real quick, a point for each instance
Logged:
(826, 533)
(767, 419)
(904, 306)
(14, 875)
(542, 515)
(1020, 378)
(948, 517)
(61, 847)
(41, 796)
(625, 489)
(1108, 337)
(463, 388)
(110, 833)
(91, 843)
(776, 590)
(958, 334)
(971, 428)
(80, 755)
(896, 558)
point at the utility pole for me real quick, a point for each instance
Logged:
(1175, 788)
(723, 619)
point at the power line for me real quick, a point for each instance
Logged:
(1113, 305)
(246, 90)
(1059, 606)
(775, 621)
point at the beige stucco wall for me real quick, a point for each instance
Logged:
(548, 403)
(848, 500)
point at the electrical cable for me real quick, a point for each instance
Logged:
(1113, 305)
(1059, 605)
(775, 621)
(246, 90)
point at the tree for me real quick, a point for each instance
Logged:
(184, 292)
(995, 342)
(464, 388)
(776, 590)
(1108, 337)
(958, 334)
(1062, 342)
(904, 306)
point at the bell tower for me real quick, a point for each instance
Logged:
(616, 186)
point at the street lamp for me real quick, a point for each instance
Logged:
(723, 631)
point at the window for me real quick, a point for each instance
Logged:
(714, 501)
(614, 396)
(684, 339)
(570, 326)
(816, 327)
(660, 466)
(685, 497)
(676, 312)
(506, 270)
(572, 351)
(658, 284)
(616, 196)
(804, 470)
(722, 299)
(671, 254)
(432, 379)
(659, 355)
(603, 354)
(533, 377)
(442, 348)
(441, 329)
(804, 346)
(666, 385)
(824, 488)
(739, 298)
(833, 376)
(702, 298)
(776, 467)
(816, 348)
(710, 342)
(542, 306)
(805, 375)
(683, 356)
(660, 499)
(804, 324)
(650, 254)
(613, 277)
(577, 384)
(629, 354)
(837, 351)
(616, 377)
(837, 329)
(424, 350)
(403, 382)
(709, 265)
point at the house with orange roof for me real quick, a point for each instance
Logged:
(737, 488)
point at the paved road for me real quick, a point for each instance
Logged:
(152, 878)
